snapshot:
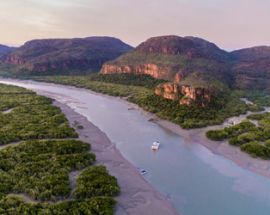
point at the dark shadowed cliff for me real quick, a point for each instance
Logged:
(65, 56)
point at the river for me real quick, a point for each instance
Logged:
(197, 181)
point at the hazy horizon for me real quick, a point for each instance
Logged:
(230, 24)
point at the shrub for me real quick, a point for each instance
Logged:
(242, 139)
(95, 181)
(256, 149)
(217, 135)
(40, 168)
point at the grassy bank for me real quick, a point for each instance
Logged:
(42, 152)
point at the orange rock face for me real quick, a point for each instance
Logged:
(169, 91)
(148, 69)
(187, 95)
(179, 76)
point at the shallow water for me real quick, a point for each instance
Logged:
(197, 181)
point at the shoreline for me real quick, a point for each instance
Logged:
(222, 148)
(137, 195)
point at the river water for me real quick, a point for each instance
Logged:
(197, 181)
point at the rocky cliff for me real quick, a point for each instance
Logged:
(185, 94)
(147, 69)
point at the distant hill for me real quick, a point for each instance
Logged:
(251, 68)
(65, 56)
(5, 50)
(191, 47)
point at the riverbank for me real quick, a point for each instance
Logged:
(137, 195)
(222, 148)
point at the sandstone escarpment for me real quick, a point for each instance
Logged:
(185, 94)
(147, 69)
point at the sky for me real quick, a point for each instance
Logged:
(231, 24)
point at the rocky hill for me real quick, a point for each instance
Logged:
(5, 50)
(251, 68)
(173, 58)
(189, 63)
(65, 56)
(197, 69)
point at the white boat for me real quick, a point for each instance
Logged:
(155, 145)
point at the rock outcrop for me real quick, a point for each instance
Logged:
(147, 69)
(185, 94)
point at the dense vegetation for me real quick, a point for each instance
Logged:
(127, 79)
(251, 138)
(27, 116)
(260, 98)
(113, 88)
(231, 132)
(206, 81)
(35, 173)
(40, 168)
(146, 81)
(194, 117)
(95, 181)
(13, 205)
